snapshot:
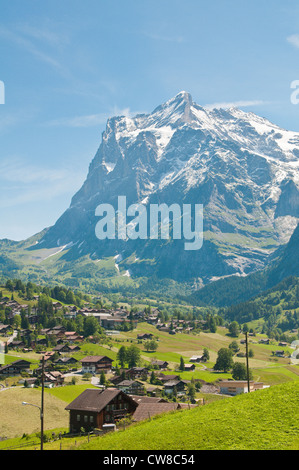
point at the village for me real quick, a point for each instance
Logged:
(121, 389)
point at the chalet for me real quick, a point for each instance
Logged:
(49, 355)
(53, 379)
(72, 337)
(147, 410)
(189, 367)
(66, 361)
(162, 365)
(94, 408)
(5, 329)
(146, 399)
(116, 380)
(197, 359)
(166, 378)
(135, 372)
(115, 322)
(175, 387)
(39, 342)
(28, 382)
(145, 336)
(164, 329)
(153, 391)
(54, 334)
(236, 387)
(57, 305)
(16, 344)
(279, 353)
(62, 348)
(131, 387)
(15, 367)
(74, 348)
(264, 341)
(96, 364)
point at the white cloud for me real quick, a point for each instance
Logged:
(21, 183)
(44, 34)
(31, 48)
(294, 40)
(16, 170)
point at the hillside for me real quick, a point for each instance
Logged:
(262, 420)
(235, 289)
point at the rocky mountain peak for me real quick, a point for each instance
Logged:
(240, 166)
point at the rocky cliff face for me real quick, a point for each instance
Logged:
(241, 167)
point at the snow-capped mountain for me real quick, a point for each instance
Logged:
(241, 167)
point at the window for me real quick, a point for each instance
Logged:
(85, 418)
(78, 418)
(91, 419)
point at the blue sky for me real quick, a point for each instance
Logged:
(68, 65)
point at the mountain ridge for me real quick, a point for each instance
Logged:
(241, 167)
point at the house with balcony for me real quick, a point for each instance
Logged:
(94, 408)
(96, 364)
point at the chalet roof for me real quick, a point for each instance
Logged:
(147, 410)
(174, 383)
(166, 378)
(95, 400)
(19, 362)
(127, 383)
(145, 399)
(95, 359)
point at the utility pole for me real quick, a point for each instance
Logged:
(247, 365)
(42, 408)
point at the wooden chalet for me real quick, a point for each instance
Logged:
(94, 408)
(15, 367)
(175, 386)
(131, 387)
(162, 365)
(96, 364)
(135, 372)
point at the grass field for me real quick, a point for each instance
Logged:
(263, 420)
(17, 419)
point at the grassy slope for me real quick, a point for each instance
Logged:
(16, 419)
(263, 420)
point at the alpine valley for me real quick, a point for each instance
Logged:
(243, 169)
